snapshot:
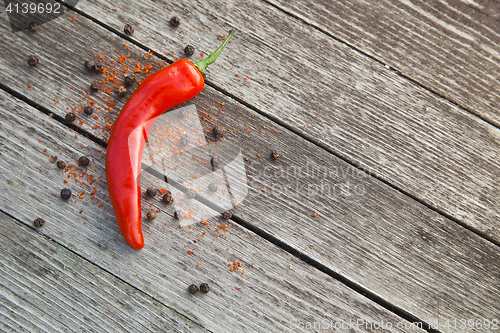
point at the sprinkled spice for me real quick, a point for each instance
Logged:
(174, 21)
(314, 214)
(227, 215)
(217, 132)
(33, 26)
(53, 159)
(128, 29)
(188, 50)
(128, 79)
(39, 222)
(275, 155)
(204, 288)
(94, 87)
(151, 215)
(32, 60)
(212, 187)
(183, 141)
(168, 198)
(215, 162)
(151, 192)
(121, 91)
(193, 289)
(83, 161)
(88, 110)
(61, 164)
(70, 117)
(65, 193)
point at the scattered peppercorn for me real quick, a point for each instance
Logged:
(97, 67)
(65, 193)
(217, 132)
(89, 65)
(83, 161)
(121, 91)
(88, 110)
(188, 50)
(32, 60)
(174, 21)
(204, 288)
(167, 198)
(94, 86)
(52, 159)
(227, 215)
(275, 155)
(128, 79)
(39, 222)
(215, 162)
(128, 29)
(190, 194)
(151, 192)
(176, 215)
(33, 26)
(193, 289)
(212, 187)
(70, 117)
(151, 215)
(61, 164)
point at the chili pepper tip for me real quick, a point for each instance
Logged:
(203, 63)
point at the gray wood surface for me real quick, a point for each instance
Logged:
(359, 234)
(347, 103)
(47, 288)
(276, 292)
(444, 45)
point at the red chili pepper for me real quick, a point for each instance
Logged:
(160, 92)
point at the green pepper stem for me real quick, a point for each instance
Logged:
(203, 63)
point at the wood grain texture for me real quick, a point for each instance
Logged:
(381, 258)
(487, 7)
(444, 45)
(46, 288)
(276, 292)
(350, 104)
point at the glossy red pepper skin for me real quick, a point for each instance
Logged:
(160, 92)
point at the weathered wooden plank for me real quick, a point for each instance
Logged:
(444, 45)
(276, 292)
(488, 7)
(46, 288)
(351, 105)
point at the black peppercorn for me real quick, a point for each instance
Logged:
(65, 193)
(188, 50)
(212, 187)
(33, 26)
(217, 132)
(89, 65)
(88, 110)
(151, 215)
(176, 215)
(275, 155)
(121, 91)
(204, 288)
(128, 79)
(128, 29)
(174, 21)
(227, 215)
(39, 222)
(97, 67)
(94, 87)
(215, 162)
(61, 164)
(190, 194)
(151, 192)
(70, 117)
(32, 60)
(193, 289)
(83, 161)
(167, 198)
